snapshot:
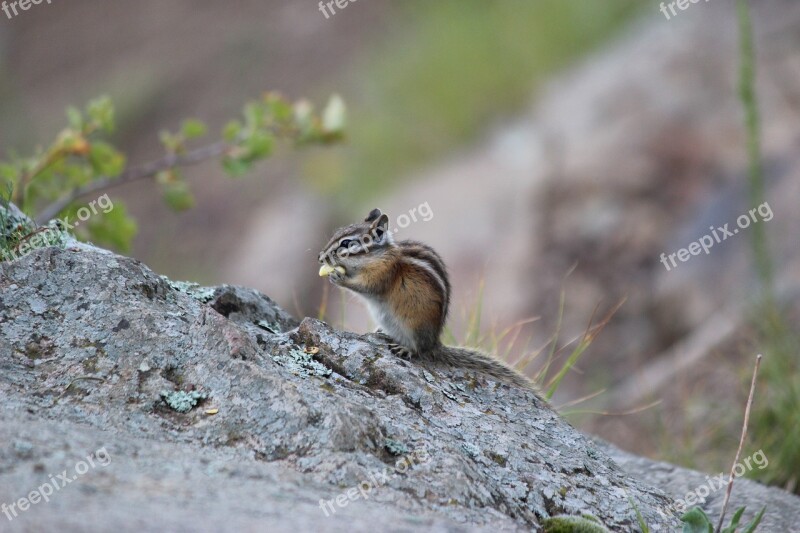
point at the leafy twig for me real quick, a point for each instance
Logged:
(149, 170)
(79, 164)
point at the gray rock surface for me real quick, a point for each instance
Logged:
(91, 343)
(783, 508)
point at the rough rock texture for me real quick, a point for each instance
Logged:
(783, 508)
(92, 343)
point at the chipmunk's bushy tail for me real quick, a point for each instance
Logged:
(475, 360)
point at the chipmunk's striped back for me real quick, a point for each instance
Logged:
(424, 257)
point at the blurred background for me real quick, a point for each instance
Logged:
(561, 146)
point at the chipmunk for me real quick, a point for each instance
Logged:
(406, 288)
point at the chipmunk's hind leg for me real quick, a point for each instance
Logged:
(401, 351)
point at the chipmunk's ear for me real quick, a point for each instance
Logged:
(380, 225)
(374, 215)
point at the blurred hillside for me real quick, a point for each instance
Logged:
(421, 78)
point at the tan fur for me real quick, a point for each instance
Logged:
(413, 299)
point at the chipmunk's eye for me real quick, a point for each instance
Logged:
(345, 243)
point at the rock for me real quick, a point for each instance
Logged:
(783, 508)
(283, 416)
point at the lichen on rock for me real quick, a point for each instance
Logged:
(182, 401)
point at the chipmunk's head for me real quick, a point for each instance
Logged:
(353, 246)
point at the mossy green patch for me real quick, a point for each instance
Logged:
(573, 524)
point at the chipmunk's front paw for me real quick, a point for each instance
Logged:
(335, 273)
(380, 334)
(401, 351)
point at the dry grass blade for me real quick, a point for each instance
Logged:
(588, 337)
(632, 411)
(741, 443)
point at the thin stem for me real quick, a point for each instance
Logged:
(40, 167)
(747, 94)
(741, 443)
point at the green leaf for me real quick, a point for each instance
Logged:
(178, 196)
(75, 176)
(114, 228)
(279, 108)
(193, 129)
(258, 145)
(9, 173)
(254, 115)
(101, 112)
(173, 143)
(734, 521)
(749, 528)
(235, 166)
(75, 118)
(106, 160)
(232, 131)
(696, 521)
(335, 115)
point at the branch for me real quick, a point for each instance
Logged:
(741, 444)
(26, 178)
(149, 170)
